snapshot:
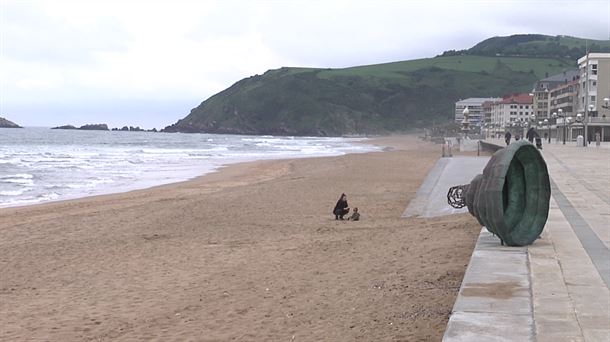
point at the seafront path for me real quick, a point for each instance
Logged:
(557, 289)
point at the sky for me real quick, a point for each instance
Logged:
(148, 63)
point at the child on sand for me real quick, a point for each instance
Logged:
(355, 215)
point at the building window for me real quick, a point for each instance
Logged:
(593, 98)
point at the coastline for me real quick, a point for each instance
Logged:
(130, 165)
(250, 252)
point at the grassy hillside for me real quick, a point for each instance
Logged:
(366, 99)
(468, 63)
(385, 97)
(536, 45)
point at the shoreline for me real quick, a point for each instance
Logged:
(210, 169)
(248, 253)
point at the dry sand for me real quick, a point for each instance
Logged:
(251, 253)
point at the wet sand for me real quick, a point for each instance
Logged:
(249, 253)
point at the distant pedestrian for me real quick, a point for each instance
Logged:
(530, 135)
(598, 139)
(507, 137)
(538, 142)
(341, 208)
(517, 137)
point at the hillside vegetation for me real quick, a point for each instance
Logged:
(379, 98)
(536, 45)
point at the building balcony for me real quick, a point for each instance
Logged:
(590, 120)
(600, 120)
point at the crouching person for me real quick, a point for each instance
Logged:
(341, 208)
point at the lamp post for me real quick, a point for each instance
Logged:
(554, 116)
(548, 130)
(588, 109)
(568, 123)
(465, 122)
(579, 119)
(560, 114)
(586, 130)
(606, 102)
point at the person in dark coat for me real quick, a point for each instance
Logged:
(341, 208)
(507, 137)
(536, 136)
(530, 135)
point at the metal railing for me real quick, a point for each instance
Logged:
(599, 120)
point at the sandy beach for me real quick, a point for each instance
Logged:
(249, 253)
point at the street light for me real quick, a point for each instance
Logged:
(554, 116)
(560, 114)
(548, 129)
(606, 101)
(588, 110)
(465, 122)
(569, 121)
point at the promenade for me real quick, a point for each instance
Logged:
(557, 289)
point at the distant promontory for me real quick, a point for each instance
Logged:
(4, 123)
(90, 127)
(104, 127)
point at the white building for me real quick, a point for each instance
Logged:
(594, 88)
(511, 113)
(475, 108)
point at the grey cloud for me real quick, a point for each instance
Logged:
(29, 35)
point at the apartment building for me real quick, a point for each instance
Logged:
(475, 109)
(542, 88)
(564, 97)
(511, 112)
(594, 89)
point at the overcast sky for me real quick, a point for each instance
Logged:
(147, 63)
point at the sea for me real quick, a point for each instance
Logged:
(41, 164)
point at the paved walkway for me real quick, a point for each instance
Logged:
(557, 289)
(431, 198)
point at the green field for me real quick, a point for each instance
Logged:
(540, 66)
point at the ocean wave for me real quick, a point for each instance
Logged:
(102, 163)
(13, 192)
(21, 181)
(97, 181)
(18, 175)
(29, 200)
(14, 161)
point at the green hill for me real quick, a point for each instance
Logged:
(367, 99)
(536, 45)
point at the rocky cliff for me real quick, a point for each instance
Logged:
(4, 123)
